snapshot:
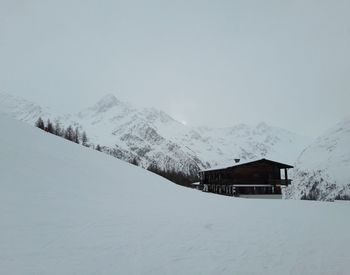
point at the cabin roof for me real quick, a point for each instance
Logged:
(246, 163)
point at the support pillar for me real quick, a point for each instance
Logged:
(286, 175)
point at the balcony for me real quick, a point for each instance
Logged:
(249, 182)
(280, 182)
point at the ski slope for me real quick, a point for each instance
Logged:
(66, 209)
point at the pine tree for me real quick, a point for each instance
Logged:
(84, 139)
(49, 127)
(98, 148)
(76, 137)
(57, 129)
(134, 161)
(40, 123)
(69, 133)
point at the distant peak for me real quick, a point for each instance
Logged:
(262, 125)
(154, 114)
(106, 102)
(108, 98)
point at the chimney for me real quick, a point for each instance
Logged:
(237, 160)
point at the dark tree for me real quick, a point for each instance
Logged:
(69, 133)
(40, 123)
(174, 176)
(134, 161)
(76, 137)
(84, 139)
(49, 127)
(58, 130)
(98, 148)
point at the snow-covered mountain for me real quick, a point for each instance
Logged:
(67, 209)
(322, 172)
(150, 136)
(22, 109)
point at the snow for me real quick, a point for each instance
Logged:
(228, 166)
(153, 137)
(238, 164)
(66, 209)
(323, 167)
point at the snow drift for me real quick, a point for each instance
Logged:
(66, 209)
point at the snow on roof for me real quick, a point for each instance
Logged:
(243, 163)
(221, 167)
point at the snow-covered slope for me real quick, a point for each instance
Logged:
(146, 134)
(21, 109)
(66, 209)
(151, 136)
(246, 142)
(322, 171)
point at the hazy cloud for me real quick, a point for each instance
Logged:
(204, 62)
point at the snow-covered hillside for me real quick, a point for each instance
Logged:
(151, 136)
(66, 209)
(322, 171)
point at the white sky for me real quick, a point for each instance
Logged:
(214, 63)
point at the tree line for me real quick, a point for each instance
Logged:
(69, 133)
(174, 176)
(73, 134)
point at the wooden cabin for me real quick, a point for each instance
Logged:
(260, 177)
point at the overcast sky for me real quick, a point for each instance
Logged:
(215, 63)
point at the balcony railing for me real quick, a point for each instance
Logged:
(272, 182)
(281, 182)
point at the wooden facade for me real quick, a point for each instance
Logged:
(252, 178)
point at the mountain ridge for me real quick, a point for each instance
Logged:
(152, 137)
(322, 169)
(67, 209)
